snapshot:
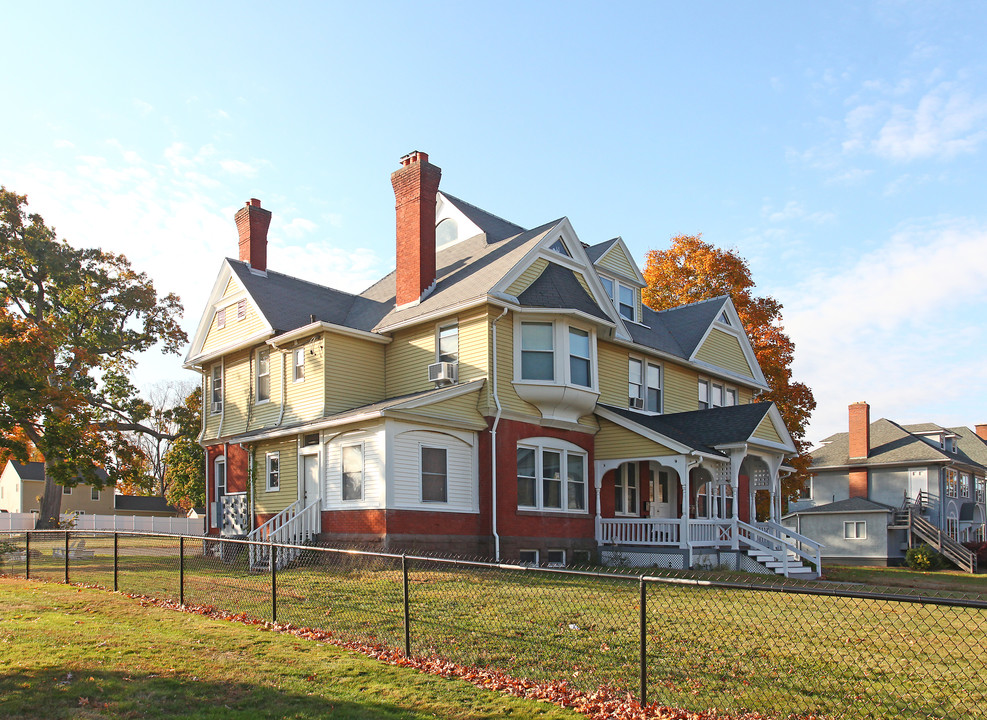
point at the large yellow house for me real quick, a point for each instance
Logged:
(504, 393)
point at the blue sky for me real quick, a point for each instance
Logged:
(838, 147)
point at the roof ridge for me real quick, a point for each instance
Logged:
(477, 207)
(692, 304)
(301, 280)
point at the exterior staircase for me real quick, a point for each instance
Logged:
(781, 550)
(294, 526)
(910, 518)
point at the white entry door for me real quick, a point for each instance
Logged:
(662, 495)
(310, 479)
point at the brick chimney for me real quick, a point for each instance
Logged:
(252, 222)
(415, 186)
(981, 431)
(859, 430)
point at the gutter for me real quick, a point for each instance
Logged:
(493, 440)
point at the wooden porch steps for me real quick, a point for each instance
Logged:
(796, 568)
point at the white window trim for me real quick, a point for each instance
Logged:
(295, 365)
(635, 295)
(94, 491)
(276, 455)
(548, 561)
(645, 363)
(363, 471)
(258, 376)
(856, 525)
(221, 318)
(217, 408)
(620, 481)
(565, 449)
(66, 490)
(421, 478)
(560, 352)
(951, 483)
(723, 387)
(445, 325)
(529, 550)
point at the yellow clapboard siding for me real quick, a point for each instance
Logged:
(744, 395)
(723, 350)
(614, 442)
(354, 372)
(613, 374)
(474, 352)
(407, 358)
(766, 431)
(305, 399)
(616, 261)
(582, 281)
(266, 502)
(681, 389)
(235, 329)
(458, 409)
(532, 273)
(508, 396)
(237, 397)
(266, 414)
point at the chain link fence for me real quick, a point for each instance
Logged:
(686, 640)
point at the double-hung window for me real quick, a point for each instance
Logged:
(644, 385)
(435, 475)
(626, 304)
(537, 351)
(579, 358)
(704, 394)
(217, 389)
(263, 374)
(730, 397)
(273, 471)
(951, 482)
(550, 478)
(653, 399)
(635, 381)
(625, 490)
(716, 395)
(351, 459)
(298, 363)
(980, 491)
(448, 344)
(94, 494)
(964, 486)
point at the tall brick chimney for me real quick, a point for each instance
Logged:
(981, 431)
(859, 430)
(252, 222)
(415, 186)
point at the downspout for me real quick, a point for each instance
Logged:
(493, 441)
(284, 386)
(250, 484)
(217, 522)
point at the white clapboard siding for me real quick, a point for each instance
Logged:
(373, 470)
(461, 487)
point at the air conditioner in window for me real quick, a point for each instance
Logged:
(442, 373)
(637, 403)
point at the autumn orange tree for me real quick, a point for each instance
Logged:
(71, 323)
(691, 270)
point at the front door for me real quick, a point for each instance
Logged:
(310, 479)
(662, 497)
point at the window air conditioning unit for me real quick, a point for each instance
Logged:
(442, 373)
(637, 403)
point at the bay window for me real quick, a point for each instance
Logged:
(537, 351)
(544, 348)
(579, 358)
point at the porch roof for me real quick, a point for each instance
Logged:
(850, 505)
(702, 430)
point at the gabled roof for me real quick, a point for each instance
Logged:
(971, 445)
(558, 288)
(288, 302)
(703, 430)
(891, 443)
(851, 505)
(595, 252)
(495, 228)
(688, 323)
(30, 470)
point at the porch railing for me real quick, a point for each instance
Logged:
(710, 533)
(784, 543)
(640, 531)
(294, 526)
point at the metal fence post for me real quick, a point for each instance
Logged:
(644, 642)
(274, 583)
(66, 557)
(407, 608)
(27, 555)
(181, 571)
(116, 555)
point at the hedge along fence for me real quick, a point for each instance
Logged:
(688, 642)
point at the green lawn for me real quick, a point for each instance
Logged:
(732, 648)
(68, 652)
(940, 581)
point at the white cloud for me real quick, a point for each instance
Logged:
(238, 167)
(795, 211)
(892, 327)
(298, 227)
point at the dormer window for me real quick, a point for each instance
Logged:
(624, 297)
(559, 247)
(446, 232)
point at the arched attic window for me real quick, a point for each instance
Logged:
(446, 232)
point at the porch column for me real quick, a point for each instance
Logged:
(680, 464)
(774, 464)
(737, 456)
(601, 467)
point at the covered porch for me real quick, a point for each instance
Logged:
(669, 500)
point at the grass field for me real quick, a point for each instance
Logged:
(732, 648)
(68, 652)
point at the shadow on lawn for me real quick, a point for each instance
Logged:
(89, 693)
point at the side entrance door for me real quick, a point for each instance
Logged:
(310, 479)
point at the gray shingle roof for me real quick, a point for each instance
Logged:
(136, 503)
(29, 471)
(854, 504)
(702, 429)
(595, 252)
(688, 323)
(558, 288)
(971, 446)
(494, 227)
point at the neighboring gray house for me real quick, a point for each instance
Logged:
(882, 487)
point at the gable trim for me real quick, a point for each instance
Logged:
(618, 242)
(738, 332)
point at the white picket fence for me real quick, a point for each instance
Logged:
(133, 523)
